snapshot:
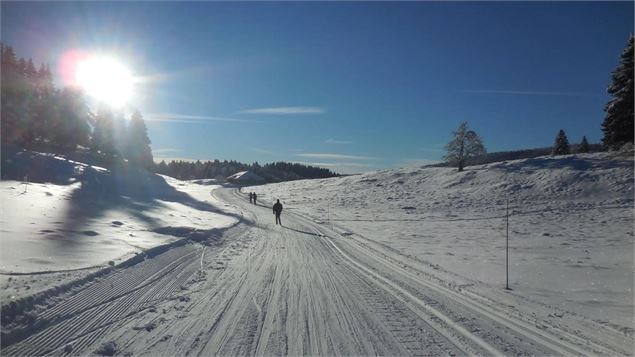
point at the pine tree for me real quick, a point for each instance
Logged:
(69, 126)
(584, 146)
(25, 100)
(11, 125)
(466, 145)
(138, 149)
(618, 123)
(34, 111)
(45, 101)
(103, 140)
(120, 133)
(162, 168)
(561, 145)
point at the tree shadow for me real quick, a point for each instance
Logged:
(130, 189)
(124, 187)
(39, 167)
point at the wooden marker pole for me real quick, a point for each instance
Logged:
(507, 246)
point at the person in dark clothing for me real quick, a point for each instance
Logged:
(255, 196)
(251, 197)
(277, 210)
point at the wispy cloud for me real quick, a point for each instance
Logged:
(172, 158)
(336, 156)
(284, 110)
(189, 119)
(263, 151)
(432, 150)
(162, 151)
(196, 71)
(333, 164)
(341, 142)
(415, 162)
(521, 92)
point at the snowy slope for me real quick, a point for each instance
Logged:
(571, 224)
(78, 218)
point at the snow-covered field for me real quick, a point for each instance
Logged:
(400, 262)
(570, 225)
(62, 228)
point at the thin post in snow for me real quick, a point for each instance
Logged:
(507, 246)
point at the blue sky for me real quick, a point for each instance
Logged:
(350, 86)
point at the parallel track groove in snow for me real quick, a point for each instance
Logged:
(396, 290)
(413, 331)
(557, 344)
(90, 311)
(563, 342)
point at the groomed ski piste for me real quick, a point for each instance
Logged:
(397, 262)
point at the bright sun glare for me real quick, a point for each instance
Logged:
(105, 79)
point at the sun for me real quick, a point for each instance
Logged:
(105, 79)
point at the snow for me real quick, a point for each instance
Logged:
(88, 217)
(571, 224)
(245, 177)
(398, 262)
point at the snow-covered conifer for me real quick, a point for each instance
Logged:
(618, 123)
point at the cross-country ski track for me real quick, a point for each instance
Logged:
(298, 289)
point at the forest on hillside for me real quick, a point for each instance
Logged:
(271, 172)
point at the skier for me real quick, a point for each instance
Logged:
(251, 197)
(277, 210)
(255, 196)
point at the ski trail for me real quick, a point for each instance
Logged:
(265, 289)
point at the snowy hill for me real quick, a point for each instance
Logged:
(70, 218)
(571, 224)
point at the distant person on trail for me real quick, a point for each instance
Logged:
(251, 197)
(255, 196)
(277, 210)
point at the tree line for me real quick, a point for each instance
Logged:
(467, 148)
(271, 172)
(36, 114)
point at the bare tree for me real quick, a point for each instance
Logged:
(464, 146)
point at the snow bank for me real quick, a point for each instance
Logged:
(571, 224)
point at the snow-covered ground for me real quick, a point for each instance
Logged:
(399, 262)
(570, 225)
(77, 219)
(294, 289)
